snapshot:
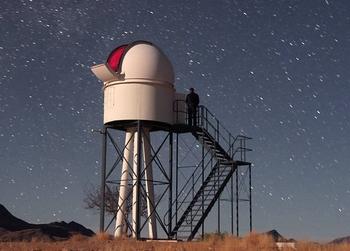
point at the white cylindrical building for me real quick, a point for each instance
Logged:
(144, 87)
(138, 86)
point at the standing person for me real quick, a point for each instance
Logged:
(192, 101)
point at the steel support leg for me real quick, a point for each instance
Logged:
(123, 188)
(219, 209)
(202, 185)
(250, 199)
(232, 220)
(136, 183)
(176, 177)
(152, 224)
(237, 205)
(170, 183)
(103, 179)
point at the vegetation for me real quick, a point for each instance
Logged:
(92, 200)
(253, 242)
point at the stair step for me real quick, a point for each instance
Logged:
(226, 164)
(182, 237)
(185, 231)
(220, 156)
(191, 223)
(212, 187)
(224, 169)
(205, 205)
(196, 209)
(207, 191)
(221, 175)
(188, 225)
(209, 187)
(196, 218)
(196, 213)
(214, 180)
(222, 160)
(200, 206)
(211, 184)
(206, 139)
(207, 197)
(199, 203)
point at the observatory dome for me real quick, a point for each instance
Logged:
(139, 85)
(141, 60)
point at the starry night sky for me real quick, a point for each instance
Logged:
(275, 70)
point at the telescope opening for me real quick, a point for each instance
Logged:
(114, 58)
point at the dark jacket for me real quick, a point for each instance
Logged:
(192, 100)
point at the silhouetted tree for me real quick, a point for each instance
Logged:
(92, 200)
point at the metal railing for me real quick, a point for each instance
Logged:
(234, 146)
(207, 120)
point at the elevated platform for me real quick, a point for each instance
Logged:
(225, 153)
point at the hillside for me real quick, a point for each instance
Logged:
(15, 229)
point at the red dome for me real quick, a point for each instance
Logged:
(140, 60)
(115, 57)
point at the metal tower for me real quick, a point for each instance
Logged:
(140, 101)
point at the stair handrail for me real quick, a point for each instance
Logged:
(188, 181)
(202, 115)
(213, 188)
(231, 141)
(242, 146)
(206, 119)
(203, 122)
(210, 122)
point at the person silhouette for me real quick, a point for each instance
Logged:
(192, 101)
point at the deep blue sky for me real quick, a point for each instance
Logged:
(275, 70)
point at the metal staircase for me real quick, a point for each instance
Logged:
(228, 152)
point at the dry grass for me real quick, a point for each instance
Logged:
(104, 242)
(308, 246)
